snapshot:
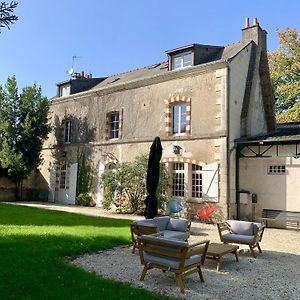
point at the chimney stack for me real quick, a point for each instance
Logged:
(254, 33)
(247, 23)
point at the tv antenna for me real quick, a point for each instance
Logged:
(70, 71)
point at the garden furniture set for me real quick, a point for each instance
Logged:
(163, 244)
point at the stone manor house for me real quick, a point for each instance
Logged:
(212, 107)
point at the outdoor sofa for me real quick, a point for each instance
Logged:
(176, 228)
(242, 232)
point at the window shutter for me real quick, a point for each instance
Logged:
(52, 183)
(210, 182)
(72, 183)
(71, 131)
(61, 133)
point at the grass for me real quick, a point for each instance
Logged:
(34, 244)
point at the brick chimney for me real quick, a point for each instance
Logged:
(255, 33)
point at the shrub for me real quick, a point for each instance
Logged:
(85, 200)
(128, 181)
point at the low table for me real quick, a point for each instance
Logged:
(216, 251)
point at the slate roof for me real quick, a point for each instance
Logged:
(285, 132)
(225, 53)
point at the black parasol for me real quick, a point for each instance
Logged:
(153, 178)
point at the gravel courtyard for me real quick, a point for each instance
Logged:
(274, 274)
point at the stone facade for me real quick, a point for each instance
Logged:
(222, 98)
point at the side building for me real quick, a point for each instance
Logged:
(199, 102)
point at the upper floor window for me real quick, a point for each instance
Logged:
(114, 125)
(64, 90)
(182, 60)
(179, 118)
(67, 131)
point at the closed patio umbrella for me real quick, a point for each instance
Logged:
(153, 178)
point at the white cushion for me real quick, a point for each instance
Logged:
(161, 222)
(178, 224)
(241, 227)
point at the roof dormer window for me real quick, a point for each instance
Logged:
(64, 90)
(182, 60)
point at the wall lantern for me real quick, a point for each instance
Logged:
(177, 150)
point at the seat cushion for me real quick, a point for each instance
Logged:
(162, 222)
(170, 262)
(176, 234)
(237, 238)
(241, 227)
(178, 224)
(170, 240)
(148, 222)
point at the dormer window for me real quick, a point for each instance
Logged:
(182, 60)
(64, 90)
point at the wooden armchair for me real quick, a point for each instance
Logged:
(138, 230)
(171, 255)
(242, 232)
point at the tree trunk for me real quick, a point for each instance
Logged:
(18, 190)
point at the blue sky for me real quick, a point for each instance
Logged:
(114, 36)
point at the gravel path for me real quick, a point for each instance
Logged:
(274, 274)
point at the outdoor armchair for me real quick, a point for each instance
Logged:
(242, 232)
(171, 255)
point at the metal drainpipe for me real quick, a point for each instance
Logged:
(228, 141)
(237, 181)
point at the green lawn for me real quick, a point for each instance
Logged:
(34, 244)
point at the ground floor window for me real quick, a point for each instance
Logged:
(64, 176)
(276, 170)
(193, 181)
(178, 179)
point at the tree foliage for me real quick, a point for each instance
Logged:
(285, 71)
(23, 129)
(128, 181)
(7, 16)
(292, 115)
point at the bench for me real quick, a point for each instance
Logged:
(171, 255)
(292, 217)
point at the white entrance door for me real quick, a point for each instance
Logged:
(67, 183)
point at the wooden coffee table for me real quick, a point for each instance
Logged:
(216, 251)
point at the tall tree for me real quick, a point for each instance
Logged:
(7, 16)
(23, 129)
(285, 70)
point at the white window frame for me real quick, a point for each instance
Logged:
(180, 122)
(207, 178)
(64, 90)
(67, 131)
(178, 179)
(196, 181)
(114, 126)
(181, 57)
(64, 176)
